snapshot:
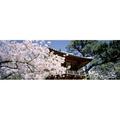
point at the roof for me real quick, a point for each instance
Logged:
(82, 61)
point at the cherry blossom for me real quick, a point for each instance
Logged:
(28, 60)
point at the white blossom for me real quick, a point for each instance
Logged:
(29, 60)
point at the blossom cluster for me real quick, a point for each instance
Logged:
(29, 60)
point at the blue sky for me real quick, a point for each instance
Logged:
(59, 44)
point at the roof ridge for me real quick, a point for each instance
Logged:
(70, 54)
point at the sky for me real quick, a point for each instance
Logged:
(59, 44)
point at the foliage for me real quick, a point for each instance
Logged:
(103, 72)
(103, 53)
